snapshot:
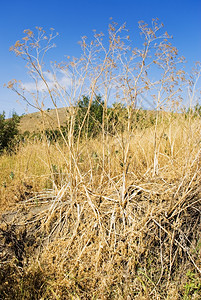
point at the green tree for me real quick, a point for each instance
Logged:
(89, 117)
(8, 131)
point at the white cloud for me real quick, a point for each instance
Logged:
(62, 80)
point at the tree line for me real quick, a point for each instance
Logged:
(88, 123)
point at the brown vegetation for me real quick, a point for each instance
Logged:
(116, 216)
(101, 234)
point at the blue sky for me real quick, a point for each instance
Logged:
(73, 19)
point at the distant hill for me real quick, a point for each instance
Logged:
(34, 122)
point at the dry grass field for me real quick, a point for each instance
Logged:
(92, 224)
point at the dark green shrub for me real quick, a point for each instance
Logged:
(89, 117)
(117, 118)
(193, 112)
(52, 134)
(8, 131)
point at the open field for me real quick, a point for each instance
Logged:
(110, 219)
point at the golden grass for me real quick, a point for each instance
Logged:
(104, 220)
(34, 122)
